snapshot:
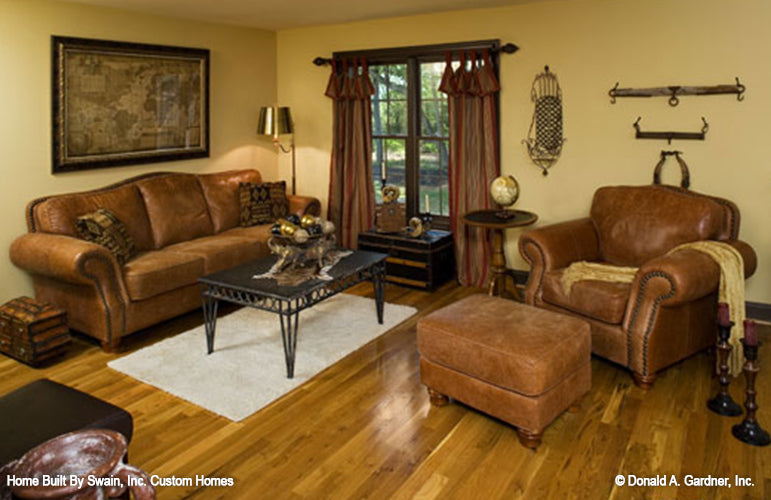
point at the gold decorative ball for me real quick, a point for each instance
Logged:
(504, 190)
(308, 220)
(287, 228)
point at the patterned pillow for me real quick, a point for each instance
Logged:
(262, 203)
(104, 228)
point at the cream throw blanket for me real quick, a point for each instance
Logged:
(731, 289)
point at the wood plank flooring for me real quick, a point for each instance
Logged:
(364, 429)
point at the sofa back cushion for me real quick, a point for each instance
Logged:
(638, 223)
(176, 207)
(221, 193)
(58, 214)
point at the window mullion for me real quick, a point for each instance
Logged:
(412, 163)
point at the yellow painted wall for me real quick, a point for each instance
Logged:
(243, 78)
(590, 45)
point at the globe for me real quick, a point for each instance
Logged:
(504, 190)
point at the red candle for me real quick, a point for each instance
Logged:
(750, 335)
(723, 315)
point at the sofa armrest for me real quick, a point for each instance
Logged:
(60, 257)
(554, 247)
(302, 205)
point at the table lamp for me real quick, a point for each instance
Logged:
(276, 121)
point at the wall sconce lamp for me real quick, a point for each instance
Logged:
(276, 121)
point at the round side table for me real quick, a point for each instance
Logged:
(490, 219)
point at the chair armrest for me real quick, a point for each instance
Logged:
(689, 275)
(748, 255)
(554, 247)
(302, 205)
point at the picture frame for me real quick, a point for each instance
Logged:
(120, 103)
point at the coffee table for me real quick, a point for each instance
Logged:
(236, 285)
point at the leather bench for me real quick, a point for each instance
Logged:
(45, 409)
(518, 363)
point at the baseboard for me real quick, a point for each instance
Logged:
(759, 311)
(756, 310)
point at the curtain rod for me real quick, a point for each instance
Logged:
(493, 47)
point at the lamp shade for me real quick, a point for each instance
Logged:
(275, 121)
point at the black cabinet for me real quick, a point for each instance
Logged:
(425, 262)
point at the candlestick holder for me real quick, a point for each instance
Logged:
(749, 431)
(722, 403)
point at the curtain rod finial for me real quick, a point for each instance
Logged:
(320, 61)
(509, 48)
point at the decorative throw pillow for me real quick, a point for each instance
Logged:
(262, 203)
(104, 228)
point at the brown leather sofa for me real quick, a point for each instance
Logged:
(183, 225)
(669, 311)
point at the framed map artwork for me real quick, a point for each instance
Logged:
(117, 103)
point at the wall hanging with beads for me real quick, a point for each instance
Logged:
(544, 140)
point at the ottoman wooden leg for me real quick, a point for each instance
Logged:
(529, 439)
(576, 406)
(644, 382)
(437, 398)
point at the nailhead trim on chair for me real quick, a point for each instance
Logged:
(649, 327)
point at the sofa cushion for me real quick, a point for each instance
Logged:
(637, 223)
(219, 252)
(258, 235)
(262, 203)
(58, 214)
(104, 228)
(601, 300)
(221, 193)
(158, 271)
(176, 208)
(504, 343)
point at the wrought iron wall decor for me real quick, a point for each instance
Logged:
(544, 139)
(685, 180)
(697, 136)
(673, 91)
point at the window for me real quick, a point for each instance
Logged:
(393, 150)
(410, 128)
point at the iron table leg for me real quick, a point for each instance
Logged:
(377, 282)
(289, 323)
(209, 318)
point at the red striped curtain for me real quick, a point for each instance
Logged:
(351, 190)
(473, 162)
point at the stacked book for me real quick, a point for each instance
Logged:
(31, 331)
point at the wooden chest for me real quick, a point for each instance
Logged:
(426, 262)
(31, 331)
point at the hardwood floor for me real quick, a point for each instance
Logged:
(365, 428)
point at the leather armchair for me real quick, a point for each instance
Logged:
(668, 312)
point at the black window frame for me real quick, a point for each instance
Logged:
(412, 56)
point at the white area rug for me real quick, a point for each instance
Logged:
(247, 370)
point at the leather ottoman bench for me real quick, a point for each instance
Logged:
(45, 409)
(515, 362)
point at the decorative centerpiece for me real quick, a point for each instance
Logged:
(505, 192)
(298, 240)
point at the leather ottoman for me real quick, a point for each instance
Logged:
(45, 409)
(515, 362)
